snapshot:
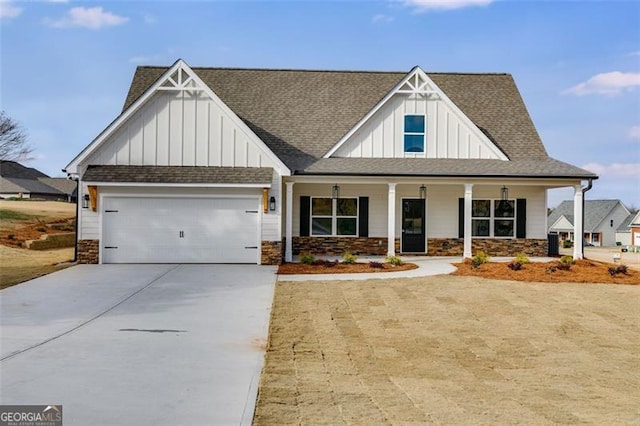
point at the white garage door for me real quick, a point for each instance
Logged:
(180, 230)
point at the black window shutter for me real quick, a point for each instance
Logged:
(363, 216)
(460, 217)
(521, 218)
(305, 211)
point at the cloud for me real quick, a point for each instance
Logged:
(8, 10)
(380, 17)
(615, 169)
(88, 17)
(609, 83)
(424, 5)
(634, 132)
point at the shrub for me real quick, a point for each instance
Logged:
(551, 269)
(41, 229)
(348, 258)
(330, 263)
(521, 258)
(615, 270)
(307, 258)
(376, 265)
(567, 244)
(11, 236)
(515, 266)
(563, 266)
(480, 258)
(567, 260)
(394, 260)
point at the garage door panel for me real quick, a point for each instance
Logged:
(180, 230)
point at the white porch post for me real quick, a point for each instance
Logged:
(288, 249)
(578, 233)
(391, 225)
(468, 194)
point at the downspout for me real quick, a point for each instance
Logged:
(76, 179)
(584, 190)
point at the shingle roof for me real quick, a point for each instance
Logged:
(27, 186)
(302, 114)
(625, 226)
(61, 184)
(595, 211)
(179, 174)
(12, 169)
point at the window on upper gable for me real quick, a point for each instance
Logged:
(414, 133)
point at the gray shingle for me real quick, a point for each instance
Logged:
(595, 211)
(179, 174)
(27, 186)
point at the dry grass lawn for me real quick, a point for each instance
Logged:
(451, 350)
(19, 265)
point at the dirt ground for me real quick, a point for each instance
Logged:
(605, 254)
(451, 350)
(19, 265)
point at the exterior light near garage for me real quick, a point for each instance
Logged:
(272, 203)
(85, 201)
(423, 192)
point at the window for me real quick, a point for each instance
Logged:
(334, 216)
(414, 132)
(496, 222)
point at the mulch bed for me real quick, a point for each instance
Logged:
(340, 268)
(583, 271)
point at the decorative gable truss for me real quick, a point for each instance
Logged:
(178, 121)
(416, 119)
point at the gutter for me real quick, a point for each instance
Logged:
(584, 191)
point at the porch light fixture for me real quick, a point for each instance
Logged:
(272, 203)
(423, 192)
(335, 193)
(505, 193)
(85, 201)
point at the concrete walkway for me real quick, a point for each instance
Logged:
(138, 344)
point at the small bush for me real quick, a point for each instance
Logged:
(394, 260)
(620, 269)
(551, 269)
(514, 266)
(11, 236)
(521, 258)
(480, 258)
(307, 258)
(348, 258)
(563, 266)
(41, 229)
(567, 244)
(330, 263)
(376, 265)
(567, 260)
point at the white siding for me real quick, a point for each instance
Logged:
(181, 129)
(618, 215)
(447, 133)
(272, 221)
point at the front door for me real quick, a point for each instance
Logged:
(413, 226)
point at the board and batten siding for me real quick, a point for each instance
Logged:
(180, 129)
(442, 205)
(447, 135)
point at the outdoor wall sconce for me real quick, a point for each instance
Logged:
(423, 192)
(505, 193)
(335, 194)
(272, 204)
(85, 201)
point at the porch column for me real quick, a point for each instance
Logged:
(578, 229)
(391, 225)
(468, 194)
(288, 245)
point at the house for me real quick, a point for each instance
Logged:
(628, 233)
(18, 181)
(258, 165)
(601, 221)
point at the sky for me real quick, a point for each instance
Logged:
(65, 66)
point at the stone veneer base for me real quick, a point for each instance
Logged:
(88, 251)
(271, 253)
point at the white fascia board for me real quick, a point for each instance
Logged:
(397, 90)
(72, 167)
(180, 185)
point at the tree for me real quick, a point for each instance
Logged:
(13, 140)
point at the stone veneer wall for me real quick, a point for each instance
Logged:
(337, 246)
(491, 246)
(271, 253)
(88, 251)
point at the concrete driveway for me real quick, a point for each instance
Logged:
(138, 344)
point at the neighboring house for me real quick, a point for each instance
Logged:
(255, 165)
(628, 233)
(601, 221)
(18, 181)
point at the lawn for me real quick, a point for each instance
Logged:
(451, 350)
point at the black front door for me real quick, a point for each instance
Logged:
(413, 222)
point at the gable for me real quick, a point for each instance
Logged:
(447, 131)
(562, 224)
(179, 121)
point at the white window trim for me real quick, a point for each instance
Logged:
(491, 218)
(424, 136)
(334, 218)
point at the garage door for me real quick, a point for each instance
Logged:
(180, 230)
